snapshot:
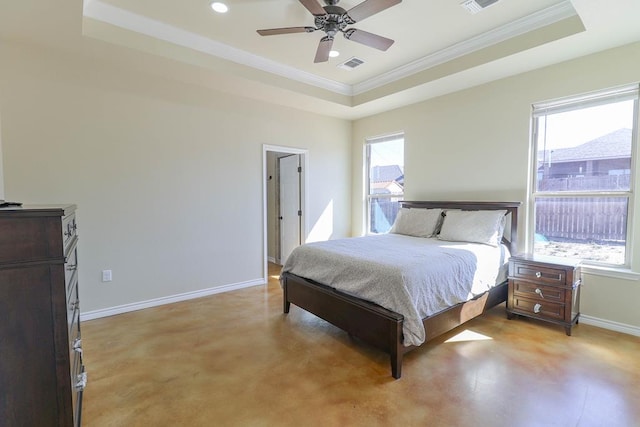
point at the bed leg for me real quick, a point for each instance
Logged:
(396, 365)
(397, 350)
(286, 305)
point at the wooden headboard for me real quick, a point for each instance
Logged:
(510, 207)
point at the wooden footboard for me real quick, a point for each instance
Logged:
(376, 325)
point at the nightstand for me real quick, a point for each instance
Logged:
(544, 288)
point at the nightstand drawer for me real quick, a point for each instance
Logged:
(538, 292)
(552, 276)
(537, 308)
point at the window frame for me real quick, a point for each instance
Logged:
(368, 197)
(573, 103)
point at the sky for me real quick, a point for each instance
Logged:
(579, 126)
(388, 153)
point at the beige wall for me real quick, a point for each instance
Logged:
(474, 145)
(167, 176)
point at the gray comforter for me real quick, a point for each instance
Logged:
(413, 276)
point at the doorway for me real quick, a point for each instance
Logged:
(288, 205)
(285, 202)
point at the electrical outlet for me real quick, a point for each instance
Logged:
(106, 275)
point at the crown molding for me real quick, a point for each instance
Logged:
(518, 27)
(109, 14)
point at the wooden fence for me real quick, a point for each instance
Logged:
(594, 219)
(620, 182)
(383, 213)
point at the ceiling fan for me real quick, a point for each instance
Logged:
(333, 19)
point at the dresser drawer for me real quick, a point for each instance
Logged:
(22, 239)
(77, 397)
(72, 294)
(551, 276)
(75, 351)
(537, 308)
(73, 317)
(69, 229)
(76, 359)
(538, 292)
(70, 267)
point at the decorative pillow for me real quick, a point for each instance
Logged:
(416, 222)
(473, 226)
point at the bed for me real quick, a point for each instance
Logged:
(376, 323)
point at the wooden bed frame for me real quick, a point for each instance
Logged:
(380, 327)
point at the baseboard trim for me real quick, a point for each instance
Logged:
(126, 308)
(272, 259)
(611, 325)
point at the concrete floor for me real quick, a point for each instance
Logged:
(234, 359)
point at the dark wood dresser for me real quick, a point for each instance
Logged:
(41, 371)
(544, 288)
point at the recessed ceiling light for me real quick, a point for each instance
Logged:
(219, 7)
(334, 53)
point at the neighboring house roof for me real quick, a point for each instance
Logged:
(386, 187)
(387, 173)
(614, 145)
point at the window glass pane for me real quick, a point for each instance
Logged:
(585, 150)
(386, 167)
(385, 181)
(383, 213)
(588, 228)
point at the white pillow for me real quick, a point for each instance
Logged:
(473, 226)
(416, 222)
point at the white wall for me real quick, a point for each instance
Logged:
(167, 176)
(474, 145)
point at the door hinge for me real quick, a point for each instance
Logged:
(299, 213)
(299, 169)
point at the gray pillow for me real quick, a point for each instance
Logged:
(416, 222)
(473, 226)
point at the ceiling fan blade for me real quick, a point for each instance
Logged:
(314, 7)
(369, 7)
(322, 54)
(286, 30)
(369, 39)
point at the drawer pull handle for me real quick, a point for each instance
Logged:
(536, 308)
(72, 267)
(538, 274)
(77, 345)
(81, 381)
(539, 292)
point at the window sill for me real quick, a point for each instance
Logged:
(617, 273)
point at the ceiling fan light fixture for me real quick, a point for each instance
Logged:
(334, 54)
(219, 7)
(332, 19)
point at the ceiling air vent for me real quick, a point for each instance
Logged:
(475, 6)
(351, 64)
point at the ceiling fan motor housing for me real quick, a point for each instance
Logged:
(335, 20)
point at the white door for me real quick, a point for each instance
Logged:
(290, 209)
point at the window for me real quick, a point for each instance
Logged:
(582, 180)
(384, 181)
